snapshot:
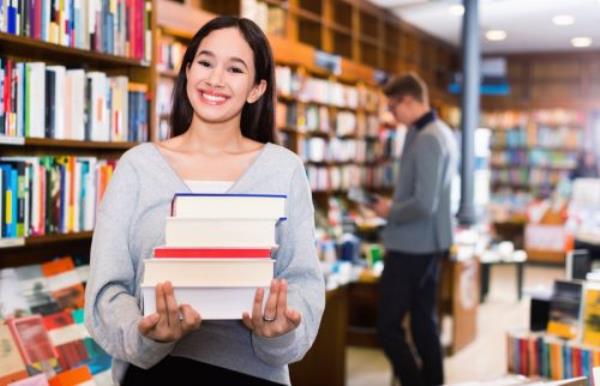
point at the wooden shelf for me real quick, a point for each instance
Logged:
(65, 143)
(44, 240)
(168, 73)
(22, 46)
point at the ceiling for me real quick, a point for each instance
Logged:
(528, 23)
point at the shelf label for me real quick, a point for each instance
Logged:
(329, 62)
(12, 140)
(12, 242)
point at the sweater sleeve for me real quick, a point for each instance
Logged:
(112, 312)
(430, 165)
(298, 263)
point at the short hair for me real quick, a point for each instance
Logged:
(410, 84)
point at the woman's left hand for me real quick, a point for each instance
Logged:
(277, 318)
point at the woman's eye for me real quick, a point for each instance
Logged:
(204, 63)
(236, 70)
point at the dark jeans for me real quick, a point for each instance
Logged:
(409, 285)
(187, 372)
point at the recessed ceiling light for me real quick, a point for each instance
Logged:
(456, 9)
(495, 35)
(563, 20)
(581, 42)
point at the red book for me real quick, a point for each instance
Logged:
(32, 339)
(237, 253)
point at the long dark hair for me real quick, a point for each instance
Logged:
(258, 118)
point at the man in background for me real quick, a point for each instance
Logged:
(417, 235)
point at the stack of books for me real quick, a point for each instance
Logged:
(217, 253)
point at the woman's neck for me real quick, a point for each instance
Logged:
(214, 137)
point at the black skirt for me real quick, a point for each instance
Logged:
(187, 372)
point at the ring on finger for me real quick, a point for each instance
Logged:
(268, 320)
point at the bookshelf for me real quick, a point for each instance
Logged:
(116, 55)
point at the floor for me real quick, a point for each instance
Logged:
(485, 358)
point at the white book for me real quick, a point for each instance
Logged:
(36, 103)
(201, 232)
(99, 125)
(221, 206)
(210, 303)
(209, 272)
(76, 100)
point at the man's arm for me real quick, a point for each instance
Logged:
(430, 165)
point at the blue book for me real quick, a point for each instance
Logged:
(12, 17)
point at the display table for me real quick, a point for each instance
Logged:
(486, 268)
(325, 362)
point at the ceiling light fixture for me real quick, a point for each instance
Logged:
(563, 20)
(581, 42)
(495, 35)
(457, 9)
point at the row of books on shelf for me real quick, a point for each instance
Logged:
(512, 119)
(337, 178)
(317, 149)
(294, 83)
(118, 27)
(169, 55)
(528, 177)
(506, 204)
(533, 158)
(545, 356)
(535, 135)
(46, 101)
(50, 194)
(42, 331)
(314, 118)
(271, 19)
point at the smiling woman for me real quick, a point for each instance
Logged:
(222, 123)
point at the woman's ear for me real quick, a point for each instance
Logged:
(257, 91)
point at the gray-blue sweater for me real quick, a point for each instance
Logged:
(131, 222)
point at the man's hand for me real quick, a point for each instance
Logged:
(382, 206)
(277, 318)
(170, 322)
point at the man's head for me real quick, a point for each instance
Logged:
(408, 98)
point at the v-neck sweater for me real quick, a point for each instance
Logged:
(130, 223)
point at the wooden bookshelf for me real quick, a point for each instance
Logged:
(36, 249)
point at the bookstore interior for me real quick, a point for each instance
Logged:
(518, 296)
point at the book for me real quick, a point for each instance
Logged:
(591, 316)
(209, 272)
(564, 309)
(80, 376)
(36, 380)
(211, 232)
(198, 253)
(233, 206)
(12, 367)
(33, 342)
(211, 303)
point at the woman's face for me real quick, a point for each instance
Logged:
(220, 79)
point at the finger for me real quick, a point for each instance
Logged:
(247, 320)
(282, 299)
(191, 319)
(161, 307)
(148, 323)
(172, 309)
(271, 306)
(294, 317)
(257, 307)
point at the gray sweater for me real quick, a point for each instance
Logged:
(131, 222)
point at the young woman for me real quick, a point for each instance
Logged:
(222, 124)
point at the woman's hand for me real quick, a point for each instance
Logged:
(170, 322)
(277, 319)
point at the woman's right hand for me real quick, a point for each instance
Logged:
(166, 325)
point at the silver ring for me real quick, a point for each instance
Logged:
(268, 320)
